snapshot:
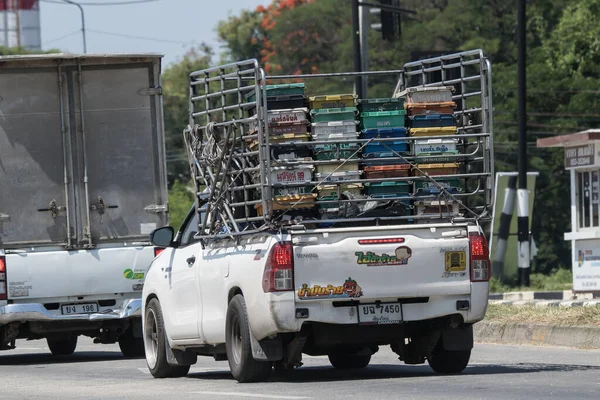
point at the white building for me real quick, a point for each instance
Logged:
(20, 24)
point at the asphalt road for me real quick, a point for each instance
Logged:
(496, 372)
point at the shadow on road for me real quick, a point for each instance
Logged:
(389, 371)
(77, 357)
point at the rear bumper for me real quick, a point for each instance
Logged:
(37, 312)
(284, 309)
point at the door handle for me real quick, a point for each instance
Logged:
(191, 260)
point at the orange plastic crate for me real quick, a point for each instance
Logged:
(387, 171)
(446, 107)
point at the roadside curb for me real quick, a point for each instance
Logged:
(562, 298)
(537, 334)
(548, 303)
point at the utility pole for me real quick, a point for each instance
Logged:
(522, 193)
(356, 46)
(364, 47)
(82, 22)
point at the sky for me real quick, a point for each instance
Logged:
(170, 27)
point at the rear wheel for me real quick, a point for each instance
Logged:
(155, 343)
(62, 346)
(244, 367)
(445, 361)
(130, 345)
(349, 360)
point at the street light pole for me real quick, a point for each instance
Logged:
(522, 193)
(82, 22)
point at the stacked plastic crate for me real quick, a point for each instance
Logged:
(430, 113)
(334, 127)
(385, 119)
(287, 117)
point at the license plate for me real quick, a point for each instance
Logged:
(79, 309)
(455, 261)
(380, 314)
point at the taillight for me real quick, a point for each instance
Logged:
(157, 251)
(480, 258)
(279, 270)
(3, 278)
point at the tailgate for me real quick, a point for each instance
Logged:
(382, 265)
(52, 274)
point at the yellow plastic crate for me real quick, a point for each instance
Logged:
(333, 101)
(437, 131)
(290, 202)
(437, 169)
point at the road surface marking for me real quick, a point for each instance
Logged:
(258, 395)
(192, 370)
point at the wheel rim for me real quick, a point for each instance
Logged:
(236, 340)
(151, 338)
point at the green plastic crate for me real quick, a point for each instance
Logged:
(447, 183)
(383, 119)
(334, 114)
(331, 152)
(384, 104)
(280, 90)
(383, 188)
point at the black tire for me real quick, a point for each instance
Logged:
(445, 361)
(131, 346)
(63, 346)
(155, 343)
(244, 367)
(348, 361)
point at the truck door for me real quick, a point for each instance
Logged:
(121, 178)
(34, 173)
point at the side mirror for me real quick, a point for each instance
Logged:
(162, 237)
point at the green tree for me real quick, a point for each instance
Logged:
(181, 198)
(175, 81)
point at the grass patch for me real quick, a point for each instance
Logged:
(563, 316)
(561, 279)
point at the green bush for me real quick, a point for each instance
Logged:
(561, 279)
(181, 198)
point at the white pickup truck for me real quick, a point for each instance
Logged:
(82, 184)
(261, 295)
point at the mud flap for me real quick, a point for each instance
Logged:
(180, 357)
(266, 349)
(458, 339)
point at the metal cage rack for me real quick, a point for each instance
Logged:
(230, 150)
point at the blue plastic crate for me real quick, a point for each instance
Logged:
(375, 159)
(431, 120)
(383, 133)
(384, 147)
(376, 147)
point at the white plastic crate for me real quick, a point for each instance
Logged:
(328, 168)
(430, 94)
(298, 174)
(434, 146)
(336, 136)
(338, 176)
(288, 115)
(434, 207)
(334, 128)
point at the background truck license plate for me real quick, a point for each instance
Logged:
(80, 309)
(379, 314)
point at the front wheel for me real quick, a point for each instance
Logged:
(244, 367)
(348, 361)
(155, 342)
(445, 361)
(62, 346)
